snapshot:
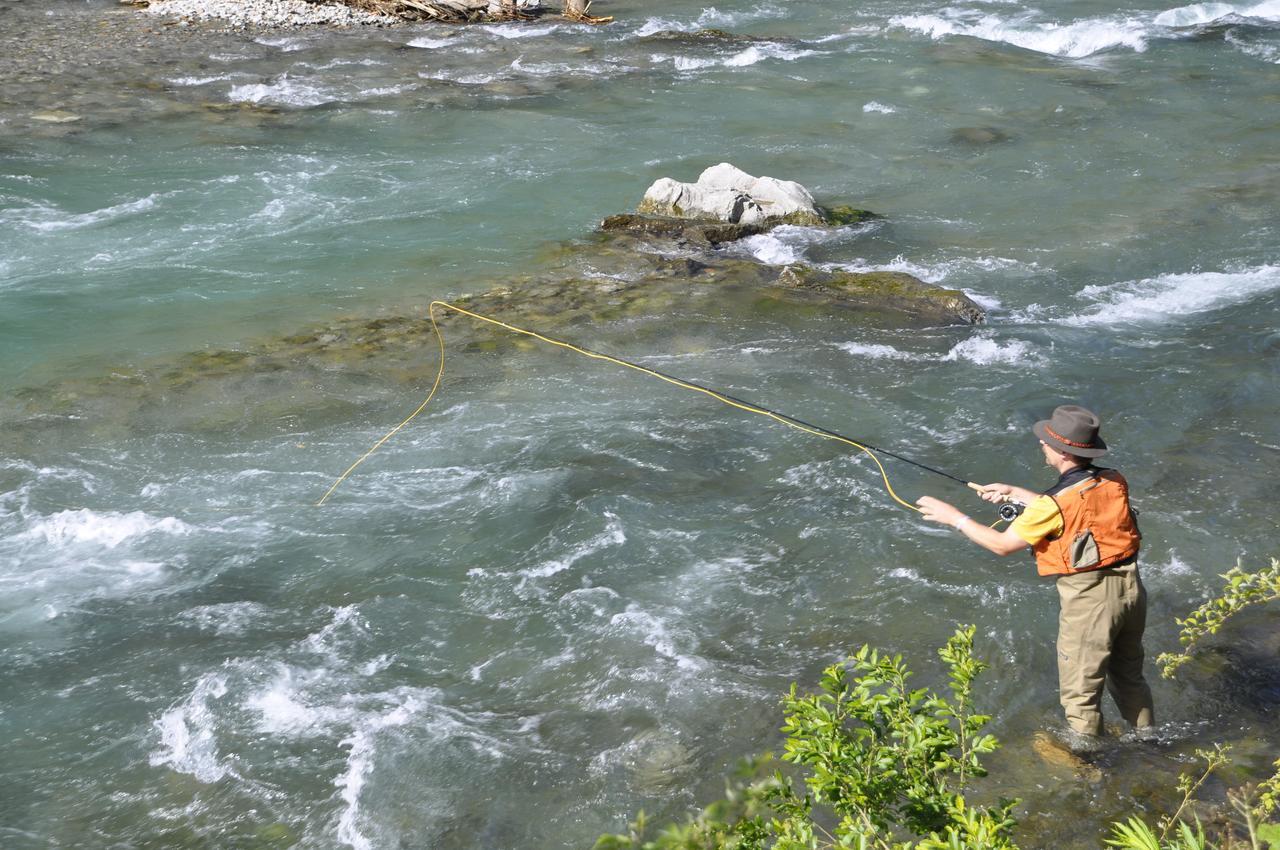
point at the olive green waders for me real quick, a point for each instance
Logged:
(1100, 643)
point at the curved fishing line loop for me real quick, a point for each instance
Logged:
(790, 422)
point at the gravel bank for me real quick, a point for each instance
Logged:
(243, 14)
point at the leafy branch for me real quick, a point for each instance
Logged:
(1242, 590)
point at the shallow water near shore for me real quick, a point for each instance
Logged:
(564, 593)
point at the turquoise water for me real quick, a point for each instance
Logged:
(564, 593)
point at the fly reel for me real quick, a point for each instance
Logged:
(1009, 511)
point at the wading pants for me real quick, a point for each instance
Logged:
(1100, 643)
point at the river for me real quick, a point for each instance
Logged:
(564, 594)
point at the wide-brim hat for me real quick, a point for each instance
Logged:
(1073, 430)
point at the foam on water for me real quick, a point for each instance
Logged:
(990, 303)
(982, 349)
(768, 248)
(713, 17)
(331, 641)
(786, 244)
(655, 633)
(385, 91)
(1198, 14)
(710, 18)
(432, 43)
(343, 63)
(107, 529)
(986, 351)
(199, 81)
(612, 535)
(278, 699)
(936, 272)
(1258, 50)
(513, 31)
(1073, 40)
(361, 748)
(559, 70)
(284, 44)
(750, 56)
(48, 219)
(52, 564)
(224, 619)
(284, 709)
(284, 90)
(1174, 566)
(877, 106)
(874, 351)
(1174, 296)
(479, 79)
(653, 25)
(188, 742)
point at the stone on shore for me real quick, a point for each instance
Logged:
(729, 194)
(249, 14)
(266, 13)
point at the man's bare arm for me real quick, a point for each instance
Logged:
(1000, 542)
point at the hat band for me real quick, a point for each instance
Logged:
(1052, 433)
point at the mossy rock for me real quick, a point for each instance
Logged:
(800, 219)
(213, 359)
(680, 229)
(842, 216)
(887, 291)
(274, 836)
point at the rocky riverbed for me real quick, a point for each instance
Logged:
(247, 14)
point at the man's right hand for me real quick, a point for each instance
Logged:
(995, 492)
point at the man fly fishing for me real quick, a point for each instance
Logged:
(1084, 534)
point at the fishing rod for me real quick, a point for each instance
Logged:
(725, 398)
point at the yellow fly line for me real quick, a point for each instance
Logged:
(595, 355)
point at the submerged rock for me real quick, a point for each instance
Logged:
(979, 135)
(886, 291)
(56, 116)
(725, 193)
(708, 36)
(1055, 753)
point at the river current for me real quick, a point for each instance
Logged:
(564, 594)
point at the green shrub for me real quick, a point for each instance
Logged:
(884, 767)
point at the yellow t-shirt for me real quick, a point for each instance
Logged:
(1041, 519)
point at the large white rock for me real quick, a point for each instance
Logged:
(727, 193)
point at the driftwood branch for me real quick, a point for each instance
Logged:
(579, 11)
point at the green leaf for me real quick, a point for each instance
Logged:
(1133, 834)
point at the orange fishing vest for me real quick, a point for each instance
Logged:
(1098, 531)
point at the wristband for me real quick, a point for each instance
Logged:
(960, 523)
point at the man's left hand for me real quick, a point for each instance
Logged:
(936, 510)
